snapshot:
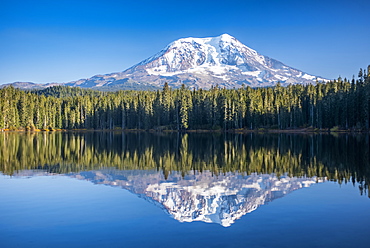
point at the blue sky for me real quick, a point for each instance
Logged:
(61, 41)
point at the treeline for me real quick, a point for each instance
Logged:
(340, 104)
(345, 158)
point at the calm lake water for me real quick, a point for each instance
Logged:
(106, 189)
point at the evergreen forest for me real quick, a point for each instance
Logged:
(337, 104)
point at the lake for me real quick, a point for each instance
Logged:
(113, 189)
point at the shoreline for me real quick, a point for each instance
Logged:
(236, 131)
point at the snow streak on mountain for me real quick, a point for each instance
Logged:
(203, 63)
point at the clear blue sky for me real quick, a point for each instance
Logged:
(61, 41)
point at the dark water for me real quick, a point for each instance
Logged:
(104, 189)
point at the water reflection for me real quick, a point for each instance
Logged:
(343, 159)
(214, 178)
(197, 196)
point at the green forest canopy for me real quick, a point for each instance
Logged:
(336, 104)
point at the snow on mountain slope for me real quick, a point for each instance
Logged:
(203, 63)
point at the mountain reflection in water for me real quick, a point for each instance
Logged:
(195, 177)
(198, 196)
(114, 189)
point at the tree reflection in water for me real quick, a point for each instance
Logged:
(343, 158)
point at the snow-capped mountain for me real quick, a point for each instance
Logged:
(202, 63)
(220, 199)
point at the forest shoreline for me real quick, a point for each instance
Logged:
(340, 106)
(236, 131)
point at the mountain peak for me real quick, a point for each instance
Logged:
(226, 37)
(207, 40)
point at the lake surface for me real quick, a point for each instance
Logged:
(106, 189)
